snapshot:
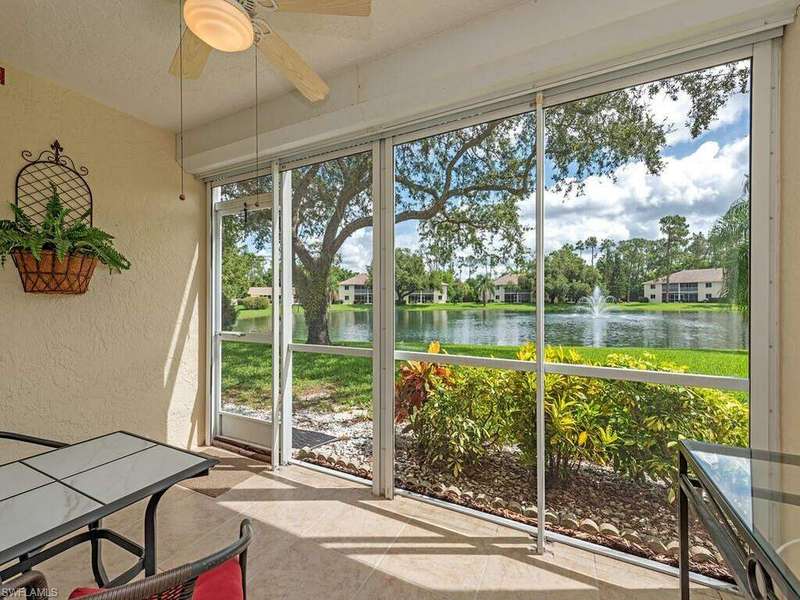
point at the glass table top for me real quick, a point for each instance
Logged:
(762, 489)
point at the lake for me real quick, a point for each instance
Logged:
(496, 327)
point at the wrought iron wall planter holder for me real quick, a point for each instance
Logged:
(52, 166)
(33, 190)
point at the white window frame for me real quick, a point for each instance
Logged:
(762, 384)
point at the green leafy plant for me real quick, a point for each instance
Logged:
(458, 415)
(651, 419)
(415, 381)
(255, 303)
(576, 421)
(56, 235)
(460, 420)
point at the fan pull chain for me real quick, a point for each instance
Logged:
(180, 93)
(258, 171)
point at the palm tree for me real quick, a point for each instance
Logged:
(484, 287)
(590, 244)
(580, 247)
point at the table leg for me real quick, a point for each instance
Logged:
(98, 570)
(683, 529)
(150, 534)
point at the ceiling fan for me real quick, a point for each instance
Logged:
(235, 25)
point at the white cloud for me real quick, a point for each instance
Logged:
(699, 186)
(356, 252)
(674, 114)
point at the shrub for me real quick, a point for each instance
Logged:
(228, 313)
(415, 381)
(456, 415)
(255, 303)
(459, 421)
(576, 421)
(650, 419)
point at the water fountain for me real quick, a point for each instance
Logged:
(598, 302)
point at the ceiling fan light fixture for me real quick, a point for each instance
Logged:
(222, 24)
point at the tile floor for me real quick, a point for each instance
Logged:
(321, 537)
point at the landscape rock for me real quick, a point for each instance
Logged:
(530, 511)
(656, 546)
(673, 549)
(550, 517)
(701, 554)
(632, 537)
(609, 529)
(570, 522)
(453, 491)
(589, 526)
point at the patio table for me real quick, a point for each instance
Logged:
(749, 502)
(56, 493)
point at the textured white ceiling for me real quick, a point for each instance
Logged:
(118, 51)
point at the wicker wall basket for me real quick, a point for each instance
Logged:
(52, 276)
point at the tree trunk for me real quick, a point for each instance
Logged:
(312, 289)
(317, 323)
(669, 266)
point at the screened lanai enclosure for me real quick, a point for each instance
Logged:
(367, 299)
(594, 243)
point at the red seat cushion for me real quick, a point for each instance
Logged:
(221, 583)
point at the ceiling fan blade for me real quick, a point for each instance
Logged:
(345, 8)
(293, 67)
(195, 56)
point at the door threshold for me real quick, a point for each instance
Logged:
(242, 448)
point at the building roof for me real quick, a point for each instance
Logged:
(507, 279)
(692, 276)
(357, 279)
(259, 291)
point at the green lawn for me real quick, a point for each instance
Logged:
(733, 363)
(340, 380)
(247, 377)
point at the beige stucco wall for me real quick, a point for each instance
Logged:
(790, 240)
(129, 354)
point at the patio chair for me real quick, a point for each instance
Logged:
(33, 583)
(29, 439)
(221, 575)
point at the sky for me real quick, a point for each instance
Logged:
(700, 179)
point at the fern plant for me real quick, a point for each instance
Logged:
(56, 235)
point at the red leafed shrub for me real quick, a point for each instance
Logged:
(415, 380)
